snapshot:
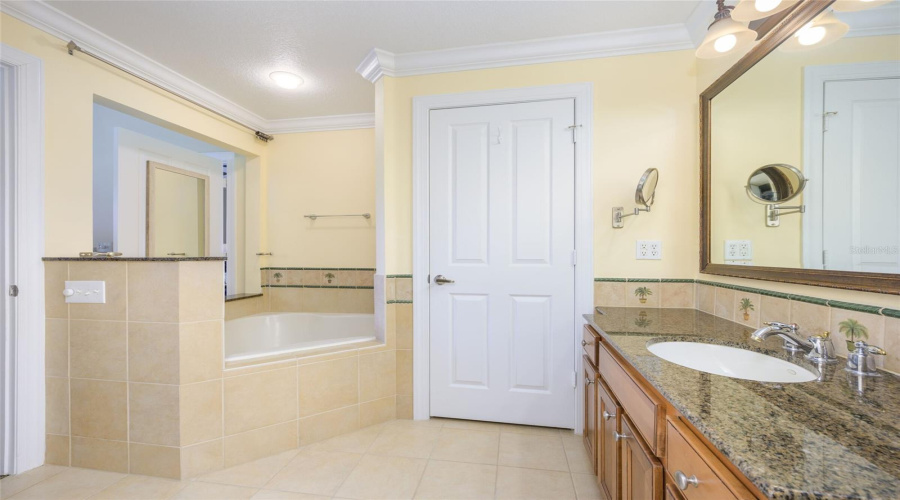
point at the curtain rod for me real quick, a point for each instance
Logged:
(73, 47)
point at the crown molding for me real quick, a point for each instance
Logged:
(322, 123)
(380, 63)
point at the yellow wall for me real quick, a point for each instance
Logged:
(70, 84)
(645, 115)
(321, 173)
(758, 120)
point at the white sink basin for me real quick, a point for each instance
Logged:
(731, 362)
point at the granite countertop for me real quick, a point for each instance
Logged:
(818, 440)
(131, 259)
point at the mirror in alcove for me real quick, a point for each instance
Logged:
(805, 150)
(159, 192)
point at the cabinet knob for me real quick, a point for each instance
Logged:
(607, 415)
(588, 381)
(621, 436)
(583, 343)
(683, 481)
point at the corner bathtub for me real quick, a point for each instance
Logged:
(276, 334)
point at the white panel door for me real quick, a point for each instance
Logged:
(862, 175)
(502, 228)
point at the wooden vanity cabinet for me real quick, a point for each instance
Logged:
(639, 444)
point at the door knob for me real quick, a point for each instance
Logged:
(441, 280)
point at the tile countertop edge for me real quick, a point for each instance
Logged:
(743, 464)
(132, 259)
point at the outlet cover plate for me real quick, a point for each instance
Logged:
(85, 292)
(738, 250)
(648, 250)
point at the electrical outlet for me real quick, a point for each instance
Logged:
(738, 250)
(649, 250)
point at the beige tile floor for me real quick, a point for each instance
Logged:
(435, 459)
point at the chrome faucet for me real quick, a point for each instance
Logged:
(861, 362)
(818, 348)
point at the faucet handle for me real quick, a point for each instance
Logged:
(862, 347)
(785, 326)
(824, 335)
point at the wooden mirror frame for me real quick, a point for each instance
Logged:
(794, 19)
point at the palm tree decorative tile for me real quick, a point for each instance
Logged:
(642, 293)
(746, 306)
(853, 329)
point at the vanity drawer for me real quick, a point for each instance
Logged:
(686, 454)
(590, 342)
(646, 411)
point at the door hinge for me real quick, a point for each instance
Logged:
(13, 291)
(574, 257)
(574, 379)
(428, 279)
(824, 259)
(825, 116)
(574, 129)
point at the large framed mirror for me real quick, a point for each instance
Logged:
(800, 155)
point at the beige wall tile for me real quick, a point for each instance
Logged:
(328, 385)
(404, 288)
(378, 411)
(327, 425)
(404, 372)
(153, 291)
(99, 409)
(892, 344)
(201, 291)
(257, 368)
(90, 453)
(201, 412)
(750, 317)
(202, 458)
(706, 298)
(378, 375)
(404, 327)
(201, 351)
(774, 309)
(113, 273)
(153, 353)
(260, 399)
(725, 303)
(286, 299)
(159, 461)
(632, 300)
(153, 414)
(874, 323)
(259, 443)
(390, 289)
(404, 407)
(676, 295)
(811, 318)
(235, 309)
(57, 396)
(55, 276)
(57, 450)
(98, 349)
(56, 347)
(359, 301)
(609, 293)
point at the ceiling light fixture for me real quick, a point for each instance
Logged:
(821, 31)
(725, 35)
(855, 5)
(751, 10)
(286, 80)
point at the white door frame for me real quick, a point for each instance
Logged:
(584, 208)
(24, 403)
(814, 79)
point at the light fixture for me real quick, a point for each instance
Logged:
(751, 10)
(286, 80)
(821, 31)
(725, 35)
(855, 5)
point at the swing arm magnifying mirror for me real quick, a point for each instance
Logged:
(774, 184)
(643, 195)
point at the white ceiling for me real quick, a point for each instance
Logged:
(230, 47)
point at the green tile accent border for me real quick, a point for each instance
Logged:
(399, 276)
(320, 286)
(399, 302)
(893, 313)
(317, 269)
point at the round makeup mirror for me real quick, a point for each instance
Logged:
(775, 183)
(646, 188)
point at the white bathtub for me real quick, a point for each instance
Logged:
(272, 334)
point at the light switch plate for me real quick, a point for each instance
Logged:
(85, 292)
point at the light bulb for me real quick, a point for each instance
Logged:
(811, 35)
(767, 5)
(725, 43)
(286, 80)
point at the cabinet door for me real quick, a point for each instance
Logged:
(608, 456)
(642, 473)
(591, 376)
